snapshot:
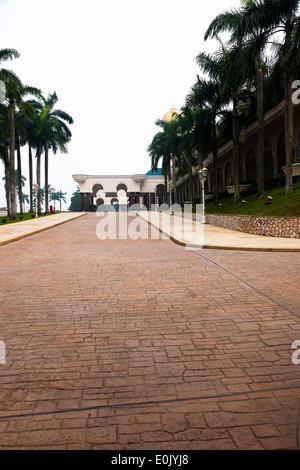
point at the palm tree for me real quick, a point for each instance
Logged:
(256, 23)
(58, 196)
(235, 84)
(168, 148)
(186, 124)
(281, 16)
(11, 84)
(205, 94)
(158, 151)
(4, 153)
(18, 180)
(254, 40)
(56, 134)
(25, 198)
(23, 120)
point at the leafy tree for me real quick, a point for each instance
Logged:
(75, 200)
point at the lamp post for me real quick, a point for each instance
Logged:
(171, 188)
(36, 189)
(203, 176)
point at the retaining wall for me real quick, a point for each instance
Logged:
(287, 227)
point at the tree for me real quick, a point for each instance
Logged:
(165, 146)
(158, 151)
(234, 82)
(254, 39)
(11, 84)
(55, 134)
(256, 24)
(205, 94)
(58, 196)
(75, 200)
(19, 181)
(281, 17)
(4, 153)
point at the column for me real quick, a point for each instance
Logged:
(275, 166)
(87, 202)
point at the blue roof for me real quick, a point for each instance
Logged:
(158, 172)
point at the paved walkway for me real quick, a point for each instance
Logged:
(13, 232)
(141, 344)
(198, 235)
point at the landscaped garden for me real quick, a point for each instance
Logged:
(274, 203)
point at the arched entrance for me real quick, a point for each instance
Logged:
(160, 193)
(97, 187)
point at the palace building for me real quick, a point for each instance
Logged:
(123, 190)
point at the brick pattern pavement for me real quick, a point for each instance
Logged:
(91, 325)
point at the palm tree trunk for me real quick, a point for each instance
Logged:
(260, 135)
(19, 176)
(12, 162)
(30, 180)
(166, 186)
(7, 188)
(236, 167)
(200, 164)
(289, 132)
(215, 162)
(46, 177)
(174, 178)
(38, 180)
(190, 173)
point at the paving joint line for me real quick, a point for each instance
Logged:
(245, 282)
(149, 402)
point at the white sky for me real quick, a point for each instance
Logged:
(117, 66)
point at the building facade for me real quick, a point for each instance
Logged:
(122, 191)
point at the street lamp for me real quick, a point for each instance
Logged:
(203, 176)
(36, 189)
(171, 188)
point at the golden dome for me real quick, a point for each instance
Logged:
(170, 114)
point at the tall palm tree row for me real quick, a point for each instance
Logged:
(261, 53)
(34, 122)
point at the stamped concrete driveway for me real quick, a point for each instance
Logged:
(142, 344)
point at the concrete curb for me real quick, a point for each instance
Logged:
(225, 246)
(38, 230)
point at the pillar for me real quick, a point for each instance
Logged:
(87, 202)
(275, 166)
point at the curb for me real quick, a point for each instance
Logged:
(38, 230)
(220, 247)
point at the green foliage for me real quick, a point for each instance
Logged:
(282, 205)
(75, 201)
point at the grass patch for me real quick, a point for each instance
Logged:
(282, 205)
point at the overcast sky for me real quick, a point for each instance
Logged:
(116, 65)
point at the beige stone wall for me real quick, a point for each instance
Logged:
(287, 227)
